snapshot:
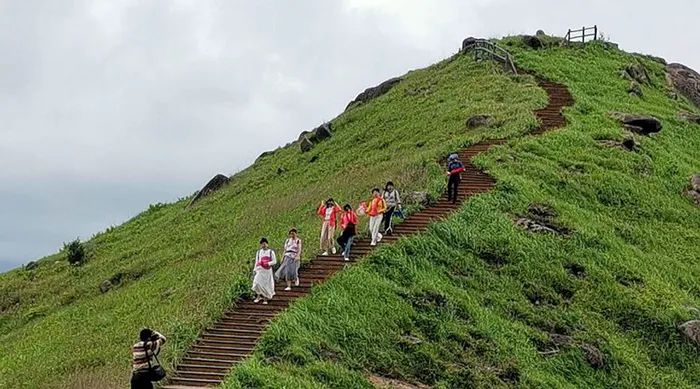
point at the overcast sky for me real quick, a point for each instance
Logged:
(108, 106)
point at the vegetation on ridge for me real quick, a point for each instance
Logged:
(176, 270)
(477, 302)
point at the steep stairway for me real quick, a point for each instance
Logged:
(234, 336)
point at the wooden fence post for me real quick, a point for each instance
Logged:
(595, 32)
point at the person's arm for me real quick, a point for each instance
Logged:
(273, 256)
(299, 251)
(398, 198)
(321, 211)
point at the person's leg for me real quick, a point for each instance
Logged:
(348, 246)
(331, 239)
(324, 238)
(374, 222)
(387, 218)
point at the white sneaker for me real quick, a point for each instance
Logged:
(347, 259)
(325, 253)
(373, 243)
(296, 283)
(288, 288)
(264, 302)
(257, 300)
(333, 250)
(379, 237)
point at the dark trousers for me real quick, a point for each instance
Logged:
(452, 186)
(140, 381)
(345, 240)
(387, 217)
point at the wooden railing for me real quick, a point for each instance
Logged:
(581, 35)
(485, 49)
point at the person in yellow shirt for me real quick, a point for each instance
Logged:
(375, 210)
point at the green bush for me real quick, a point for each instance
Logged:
(75, 252)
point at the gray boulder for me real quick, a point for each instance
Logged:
(689, 117)
(106, 286)
(216, 183)
(594, 356)
(421, 198)
(635, 89)
(468, 43)
(31, 265)
(375, 91)
(639, 124)
(540, 33)
(305, 144)
(532, 42)
(478, 121)
(637, 72)
(685, 80)
(323, 132)
(690, 331)
(694, 190)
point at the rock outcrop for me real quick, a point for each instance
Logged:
(690, 331)
(685, 80)
(308, 139)
(374, 92)
(694, 190)
(689, 117)
(212, 186)
(640, 124)
(478, 121)
(533, 42)
(593, 355)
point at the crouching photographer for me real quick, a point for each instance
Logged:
(145, 369)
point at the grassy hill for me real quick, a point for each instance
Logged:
(470, 303)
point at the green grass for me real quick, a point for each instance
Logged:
(632, 230)
(181, 267)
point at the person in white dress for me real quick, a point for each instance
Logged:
(263, 281)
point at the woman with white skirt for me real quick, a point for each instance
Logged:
(263, 281)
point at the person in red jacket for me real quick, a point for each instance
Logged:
(455, 167)
(329, 213)
(375, 211)
(348, 222)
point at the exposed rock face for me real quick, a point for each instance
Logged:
(478, 121)
(635, 89)
(689, 117)
(307, 139)
(265, 154)
(685, 80)
(629, 143)
(540, 218)
(637, 72)
(639, 124)
(532, 42)
(305, 144)
(694, 191)
(468, 42)
(105, 286)
(560, 340)
(540, 33)
(374, 92)
(690, 331)
(213, 185)
(594, 356)
(31, 265)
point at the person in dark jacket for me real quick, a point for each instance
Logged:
(348, 222)
(455, 167)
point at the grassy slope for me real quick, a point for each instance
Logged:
(180, 268)
(634, 233)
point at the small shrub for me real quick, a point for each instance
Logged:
(75, 252)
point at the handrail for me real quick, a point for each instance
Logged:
(584, 33)
(485, 49)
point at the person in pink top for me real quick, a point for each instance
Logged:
(348, 222)
(329, 213)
